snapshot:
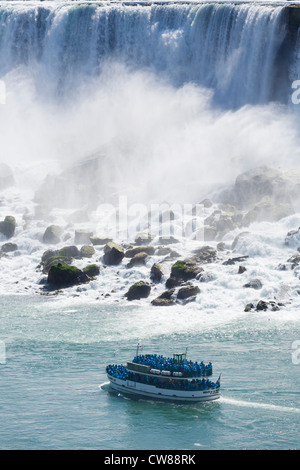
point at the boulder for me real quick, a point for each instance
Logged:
(65, 256)
(6, 177)
(294, 260)
(138, 260)
(8, 226)
(186, 291)
(263, 305)
(139, 249)
(143, 238)
(165, 299)
(205, 254)
(63, 275)
(167, 240)
(234, 260)
(113, 254)
(52, 234)
(174, 282)
(69, 251)
(254, 284)
(139, 290)
(87, 251)
(292, 238)
(9, 247)
(185, 269)
(53, 260)
(242, 269)
(82, 237)
(156, 272)
(268, 211)
(100, 240)
(91, 270)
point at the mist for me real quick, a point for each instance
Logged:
(152, 141)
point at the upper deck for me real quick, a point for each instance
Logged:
(177, 366)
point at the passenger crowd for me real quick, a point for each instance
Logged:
(120, 372)
(188, 368)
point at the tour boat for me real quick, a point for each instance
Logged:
(174, 379)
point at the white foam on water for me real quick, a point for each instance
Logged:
(265, 406)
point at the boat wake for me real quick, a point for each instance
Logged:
(251, 404)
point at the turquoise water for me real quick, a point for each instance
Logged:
(54, 392)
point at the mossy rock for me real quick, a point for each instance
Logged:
(87, 251)
(92, 270)
(8, 226)
(139, 290)
(63, 275)
(53, 260)
(185, 269)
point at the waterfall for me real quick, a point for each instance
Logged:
(231, 49)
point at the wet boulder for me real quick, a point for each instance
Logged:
(253, 284)
(138, 260)
(52, 234)
(91, 270)
(139, 249)
(87, 251)
(113, 253)
(156, 272)
(185, 269)
(165, 299)
(139, 290)
(8, 226)
(268, 211)
(82, 237)
(69, 251)
(9, 247)
(100, 240)
(63, 275)
(143, 238)
(187, 291)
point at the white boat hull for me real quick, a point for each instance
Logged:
(129, 387)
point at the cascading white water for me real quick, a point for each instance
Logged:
(229, 48)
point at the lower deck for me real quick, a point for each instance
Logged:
(130, 387)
